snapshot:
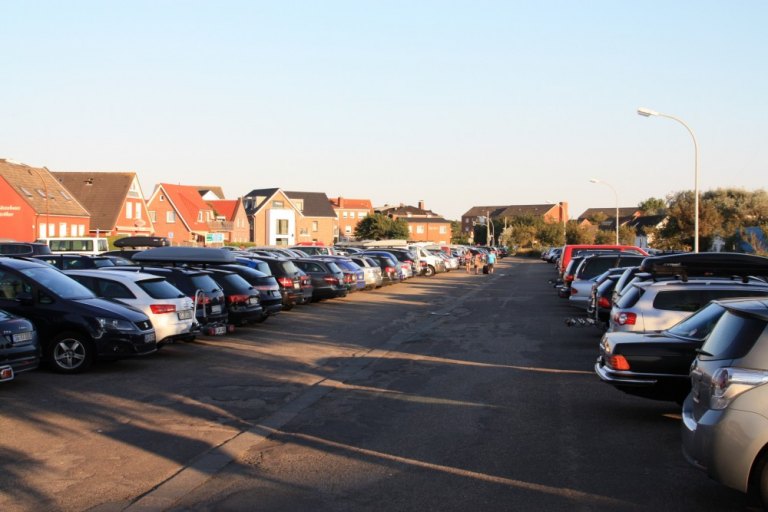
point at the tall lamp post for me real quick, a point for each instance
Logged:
(616, 197)
(646, 112)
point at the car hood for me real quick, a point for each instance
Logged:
(108, 308)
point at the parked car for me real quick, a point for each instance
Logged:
(590, 268)
(269, 291)
(74, 326)
(571, 250)
(76, 261)
(327, 277)
(288, 276)
(242, 298)
(388, 265)
(371, 270)
(170, 310)
(409, 261)
(656, 365)
(725, 416)
(23, 249)
(19, 347)
(599, 308)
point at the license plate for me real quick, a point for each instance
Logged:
(253, 300)
(222, 329)
(22, 336)
(185, 314)
(149, 337)
(216, 309)
(297, 286)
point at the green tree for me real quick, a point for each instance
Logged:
(381, 227)
(653, 206)
(457, 235)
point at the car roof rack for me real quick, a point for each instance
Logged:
(706, 264)
(141, 241)
(180, 256)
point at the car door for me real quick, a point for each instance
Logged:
(43, 310)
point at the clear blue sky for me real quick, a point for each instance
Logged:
(458, 103)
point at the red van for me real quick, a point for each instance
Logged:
(569, 251)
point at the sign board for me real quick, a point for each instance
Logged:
(214, 238)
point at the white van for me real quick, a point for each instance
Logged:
(76, 245)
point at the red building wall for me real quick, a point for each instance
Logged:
(17, 219)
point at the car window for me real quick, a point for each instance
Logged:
(113, 290)
(11, 285)
(103, 262)
(699, 325)
(733, 337)
(289, 268)
(692, 300)
(204, 282)
(630, 297)
(61, 285)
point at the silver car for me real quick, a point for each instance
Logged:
(725, 416)
(657, 305)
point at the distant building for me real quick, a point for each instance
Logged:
(34, 204)
(349, 213)
(550, 212)
(230, 218)
(180, 214)
(423, 225)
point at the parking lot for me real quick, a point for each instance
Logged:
(454, 392)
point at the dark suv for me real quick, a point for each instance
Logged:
(288, 276)
(74, 326)
(269, 291)
(242, 298)
(210, 305)
(327, 277)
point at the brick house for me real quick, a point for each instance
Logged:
(179, 213)
(278, 217)
(33, 204)
(550, 212)
(423, 225)
(232, 219)
(114, 200)
(349, 213)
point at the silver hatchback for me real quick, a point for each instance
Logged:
(725, 416)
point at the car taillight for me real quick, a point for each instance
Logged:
(237, 298)
(389, 270)
(285, 282)
(330, 280)
(618, 362)
(568, 278)
(574, 291)
(204, 299)
(306, 280)
(728, 383)
(625, 318)
(603, 302)
(349, 278)
(159, 309)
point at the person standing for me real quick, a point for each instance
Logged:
(467, 261)
(491, 261)
(478, 262)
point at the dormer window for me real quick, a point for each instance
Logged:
(40, 192)
(65, 195)
(200, 216)
(26, 192)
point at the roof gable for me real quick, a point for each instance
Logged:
(316, 204)
(227, 208)
(101, 193)
(187, 202)
(41, 190)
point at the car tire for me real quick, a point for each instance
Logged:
(430, 271)
(70, 352)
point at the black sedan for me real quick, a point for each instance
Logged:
(19, 349)
(656, 365)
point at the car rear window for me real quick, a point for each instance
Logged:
(692, 300)
(289, 268)
(333, 267)
(733, 337)
(699, 326)
(204, 282)
(160, 289)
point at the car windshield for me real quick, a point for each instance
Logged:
(61, 285)
(160, 289)
(103, 262)
(699, 325)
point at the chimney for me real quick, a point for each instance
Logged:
(421, 204)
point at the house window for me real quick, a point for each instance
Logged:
(72, 230)
(314, 225)
(162, 197)
(361, 215)
(129, 210)
(26, 193)
(442, 230)
(410, 229)
(134, 190)
(420, 229)
(40, 192)
(170, 217)
(152, 215)
(63, 228)
(344, 215)
(299, 204)
(200, 216)
(81, 229)
(42, 228)
(303, 232)
(348, 230)
(65, 195)
(278, 204)
(282, 226)
(138, 210)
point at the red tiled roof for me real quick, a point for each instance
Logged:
(225, 207)
(188, 203)
(352, 204)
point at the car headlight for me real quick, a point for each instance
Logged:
(115, 324)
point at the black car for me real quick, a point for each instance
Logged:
(269, 291)
(76, 261)
(210, 305)
(327, 278)
(19, 348)
(241, 297)
(74, 326)
(656, 365)
(388, 265)
(288, 276)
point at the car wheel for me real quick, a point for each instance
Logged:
(430, 271)
(70, 353)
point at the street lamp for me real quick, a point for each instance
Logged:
(646, 112)
(616, 197)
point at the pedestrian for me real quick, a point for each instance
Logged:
(467, 261)
(491, 261)
(478, 262)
